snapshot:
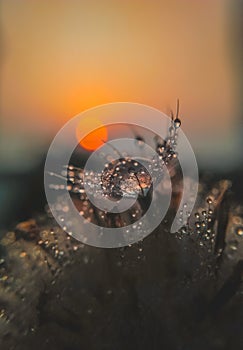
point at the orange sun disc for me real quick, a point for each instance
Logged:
(93, 139)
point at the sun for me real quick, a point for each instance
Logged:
(93, 139)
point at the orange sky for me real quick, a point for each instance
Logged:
(61, 57)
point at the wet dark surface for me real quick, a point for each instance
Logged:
(167, 292)
(171, 291)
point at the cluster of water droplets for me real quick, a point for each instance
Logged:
(234, 238)
(167, 148)
(122, 177)
(127, 177)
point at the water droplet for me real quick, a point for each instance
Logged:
(139, 141)
(183, 230)
(209, 200)
(131, 171)
(2, 313)
(69, 187)
(177, 123)
(233, 245)
(239, 231)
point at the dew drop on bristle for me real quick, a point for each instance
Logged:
(233, 245)
(177, 123)
(209, 200)
(139, 141)
(239, 231)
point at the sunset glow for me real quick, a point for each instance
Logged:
(93, 139)
(63, 57)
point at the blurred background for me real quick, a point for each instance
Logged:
(60, 57)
